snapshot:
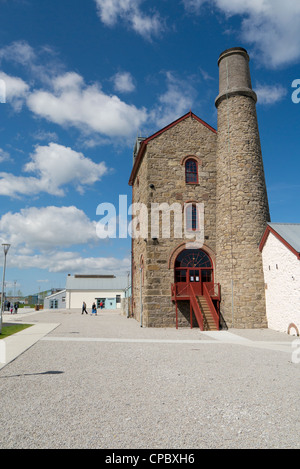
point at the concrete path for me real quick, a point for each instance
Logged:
(77, 381)
(18, 343)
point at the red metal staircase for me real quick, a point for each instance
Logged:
(205, 306)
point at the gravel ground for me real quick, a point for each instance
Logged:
(85, 393)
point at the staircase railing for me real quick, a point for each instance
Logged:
(211, 306)
(209, 291)
(178, 290)
(214, 290)
(196, 308)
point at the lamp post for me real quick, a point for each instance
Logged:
(5, 249)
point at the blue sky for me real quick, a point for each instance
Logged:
(83, 78)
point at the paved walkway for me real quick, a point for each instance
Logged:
(77, 381)
(19, 343)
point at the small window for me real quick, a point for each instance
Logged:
(192, 218)
(191, 172)
(100, 303)
(118, 298)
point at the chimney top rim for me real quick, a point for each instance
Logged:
(233, 50)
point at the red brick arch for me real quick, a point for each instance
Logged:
(191, 157)
(293, 326)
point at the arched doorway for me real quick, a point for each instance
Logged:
(194, 266)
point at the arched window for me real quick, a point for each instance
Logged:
(193, 265)
(193, 258)
(191, 171)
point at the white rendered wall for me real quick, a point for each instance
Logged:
(282, 278)
(74, 299)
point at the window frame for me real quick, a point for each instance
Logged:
(193, 173)
(192, 220)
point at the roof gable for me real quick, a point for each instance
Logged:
(145, 142)
(287, 233)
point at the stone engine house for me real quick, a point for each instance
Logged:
(217, 179)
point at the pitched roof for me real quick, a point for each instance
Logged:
(145, 142)
(60, 292)
(287, 233)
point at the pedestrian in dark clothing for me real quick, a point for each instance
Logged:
(84, 308)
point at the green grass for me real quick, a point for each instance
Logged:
(9, 329)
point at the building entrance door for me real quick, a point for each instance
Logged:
(193, 266)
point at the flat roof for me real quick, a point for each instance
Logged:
(96, 283)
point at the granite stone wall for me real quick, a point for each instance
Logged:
(242, 203)
(163, 167)
(231, 185)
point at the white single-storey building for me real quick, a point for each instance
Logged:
(55, 301)
(280, 247)
(108, 289)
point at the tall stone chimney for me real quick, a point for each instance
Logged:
(242, 203)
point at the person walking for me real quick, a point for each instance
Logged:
(84, 308)
(94, 310)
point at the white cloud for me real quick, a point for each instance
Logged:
(58, 165)
(270, 94)
(68, 101)
(71, 262)
(272, 26)
(110, 11)
(16, 90)
(39, 63)
(39, 235)
(4, 155)
(48, 227)
(176, 101)
(54, 166)
(19, 51)
(123, 82)
(72, 103)
(45, 135)
(13, 186)
(146, 26)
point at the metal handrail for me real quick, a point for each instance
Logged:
(214, 291)
(196, 308)
(211, 306)
(175, 289)
(194, 303)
